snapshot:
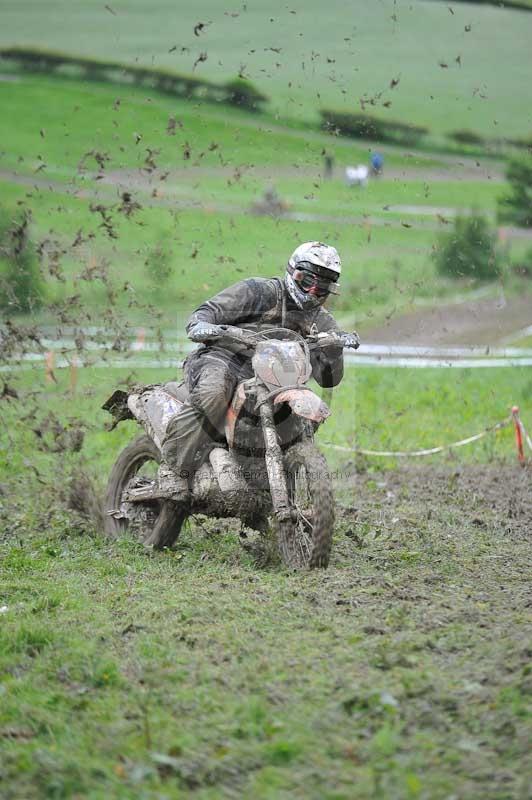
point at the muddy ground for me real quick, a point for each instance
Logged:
(494, 497)
(402, 671)
(476, 322)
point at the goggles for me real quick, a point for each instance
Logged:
(318, 284)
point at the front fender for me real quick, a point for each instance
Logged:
(304, 403)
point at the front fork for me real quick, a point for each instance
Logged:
(274, 464)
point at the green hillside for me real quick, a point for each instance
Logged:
(465, 69)
(197, 186)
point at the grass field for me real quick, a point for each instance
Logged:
(73, 118)
(382, 409)
(227, 248)
(193, 674)
(201, 210)
(328, 55)
(401, 672)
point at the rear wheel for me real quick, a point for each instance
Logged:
(306, 540)
(156, 523)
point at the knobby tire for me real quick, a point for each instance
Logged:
(315, 550)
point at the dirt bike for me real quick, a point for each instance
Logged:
(264, 470)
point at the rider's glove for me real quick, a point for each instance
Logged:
(351, 340)
(203, 331)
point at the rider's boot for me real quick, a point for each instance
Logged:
(174, 504)
(172, 484)
(167, 527)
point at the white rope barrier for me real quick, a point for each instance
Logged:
(427, 452)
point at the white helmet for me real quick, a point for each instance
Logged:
(312, 274)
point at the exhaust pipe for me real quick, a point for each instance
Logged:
(227, 471)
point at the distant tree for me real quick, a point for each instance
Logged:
(516, 207)
(242, 93)
(21, 286)
(377, 129)
(465, 136)
(469, 250)
(523, 264)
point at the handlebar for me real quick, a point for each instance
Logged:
(251, 338)
(329, 339)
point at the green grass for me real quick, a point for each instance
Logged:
(201, 212)
(525, 342)
(190, 674)
(194, 673)
(385, 268)
(76, 118)
(73, 118)
(365, 51)
(220, 249)
(374, 408)
(518, 4)
(402, 409)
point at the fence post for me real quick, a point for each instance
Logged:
(139, 343)
(49, 364)
(518, 435)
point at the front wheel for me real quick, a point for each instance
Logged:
(306, 539)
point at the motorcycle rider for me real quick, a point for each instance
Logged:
(214, 370)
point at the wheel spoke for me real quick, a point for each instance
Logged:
(301, 500)
(303, 517)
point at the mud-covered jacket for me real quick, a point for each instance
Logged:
(265, 301)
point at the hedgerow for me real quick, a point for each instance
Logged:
(364, 126)
(234, 92)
